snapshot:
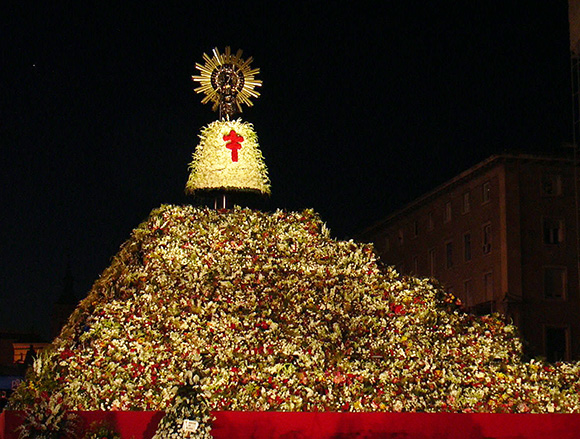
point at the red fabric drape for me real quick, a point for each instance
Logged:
(324, 425)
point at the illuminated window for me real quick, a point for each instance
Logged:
(551, 185)
(449, 254)
(486, 192)
(448, 211)
(555, 282)
(553, 231)
(486, 238)
(467, 247)
(466, 202)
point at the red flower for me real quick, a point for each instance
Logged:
(398, 309)
(67, 353)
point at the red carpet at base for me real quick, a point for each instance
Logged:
(325, 425)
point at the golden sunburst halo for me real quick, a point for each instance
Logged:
(228, 81)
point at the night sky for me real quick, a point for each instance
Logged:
(363, 108)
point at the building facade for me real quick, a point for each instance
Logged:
(503, 237)
(17, 351)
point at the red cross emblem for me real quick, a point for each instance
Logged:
(234, 144)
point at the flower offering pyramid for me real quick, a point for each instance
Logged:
(277, 315)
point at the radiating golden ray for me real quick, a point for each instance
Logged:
(227, 76)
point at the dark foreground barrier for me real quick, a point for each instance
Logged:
(284, 425)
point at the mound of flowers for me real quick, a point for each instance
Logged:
(277, 315)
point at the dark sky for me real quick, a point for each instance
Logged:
(363, 108)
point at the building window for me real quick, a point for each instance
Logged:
(488, 286)
(432, 262)
(556, 344)
(486, 192)
(486, 238)
(468, 291)
(448, 211)
(553, 231)
(555, 282)
(551, 185)
(449, 254)
(467, 247)
(430, 221)
(415, 228)
(466, 202)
